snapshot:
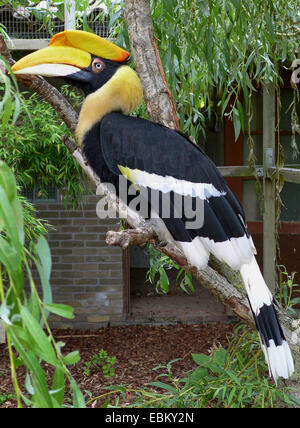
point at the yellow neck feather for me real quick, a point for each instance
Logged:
(123, 92)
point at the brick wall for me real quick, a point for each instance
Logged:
(86, 273)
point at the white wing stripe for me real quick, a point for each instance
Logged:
(168, 184)
(236, 252)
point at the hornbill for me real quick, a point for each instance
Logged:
(154, 157)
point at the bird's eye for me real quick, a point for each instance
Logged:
(98, 65)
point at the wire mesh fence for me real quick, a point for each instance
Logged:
(27, 24)
(21, 24)
(98, 23)
(35, 195)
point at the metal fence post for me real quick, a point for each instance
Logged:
(70, 9)
(269, 216)
(2, 332)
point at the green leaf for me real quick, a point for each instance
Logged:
(7, 112)
(269, 23)
(44, 269)
(19, 219)
(164, 280)
(28, 385)
(233, 376)
(188, 280)
(231, 395)
(293, 399)
(8, 216)
(225, 101)
(23, 337)
(44, 253)
(17, 110)
(71, 358)
(241, 115)
(163, 385)
(5, 313)
(220, 357)
(236, 123)
(182, 286)
(12, 262)
(64, 311)
(38, 336)
(33, 306)
(218, 390)
(42, 395)
(7, 92)
(201, 359)
(78, 400)
(199, 374)
(58, 386)
(7, 181)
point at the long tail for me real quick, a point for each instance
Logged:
(275, 347)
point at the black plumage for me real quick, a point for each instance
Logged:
(144, 145)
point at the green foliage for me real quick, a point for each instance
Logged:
(3, 31)
(33, 226)
(101, 361)
(43, 14)
(287, 289)
(229, 378)
(6, 397)
(159, 265)
(25, 314)
(36, 154)
(30, 143)
(10, 107)
(225, 48)
(11, 100)
(215, 53)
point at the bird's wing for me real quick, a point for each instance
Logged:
(163, 160)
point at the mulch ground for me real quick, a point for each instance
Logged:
(138, 350)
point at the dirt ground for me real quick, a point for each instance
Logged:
(138, 350)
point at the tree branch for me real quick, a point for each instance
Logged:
(139, 236)
(208, 278)
(157, 95)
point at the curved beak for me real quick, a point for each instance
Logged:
(53, 61)
(69, 52)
